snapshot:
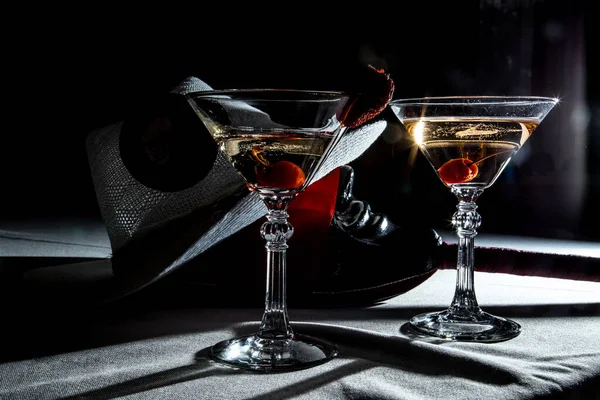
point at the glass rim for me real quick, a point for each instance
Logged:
(475, 100)
(318, 94)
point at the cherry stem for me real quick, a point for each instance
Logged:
(486, 157)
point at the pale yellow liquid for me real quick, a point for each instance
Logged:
(489, 143)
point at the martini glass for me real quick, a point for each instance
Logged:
(469, 141)
(276, 139)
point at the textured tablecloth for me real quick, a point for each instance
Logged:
(159, 353)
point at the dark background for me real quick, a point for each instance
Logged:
(68, 71)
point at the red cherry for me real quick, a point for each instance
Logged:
(281, 175)
(458, 170)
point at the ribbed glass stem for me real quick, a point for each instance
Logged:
(276, 231)
(466, 220)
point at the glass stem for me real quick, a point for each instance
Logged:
(466, 220)
(276, 231)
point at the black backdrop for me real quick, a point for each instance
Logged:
(68, 71)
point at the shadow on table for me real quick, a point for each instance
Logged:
(362, 349)
(66, 333)
(372, 349)
(314, 382)
(200, 370)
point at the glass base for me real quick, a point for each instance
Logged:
(273, 355)
(467, 327)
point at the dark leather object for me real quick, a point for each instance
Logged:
(363, 259)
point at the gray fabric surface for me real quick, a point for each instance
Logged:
(578, 248)
(155, 355)
(54, 237)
